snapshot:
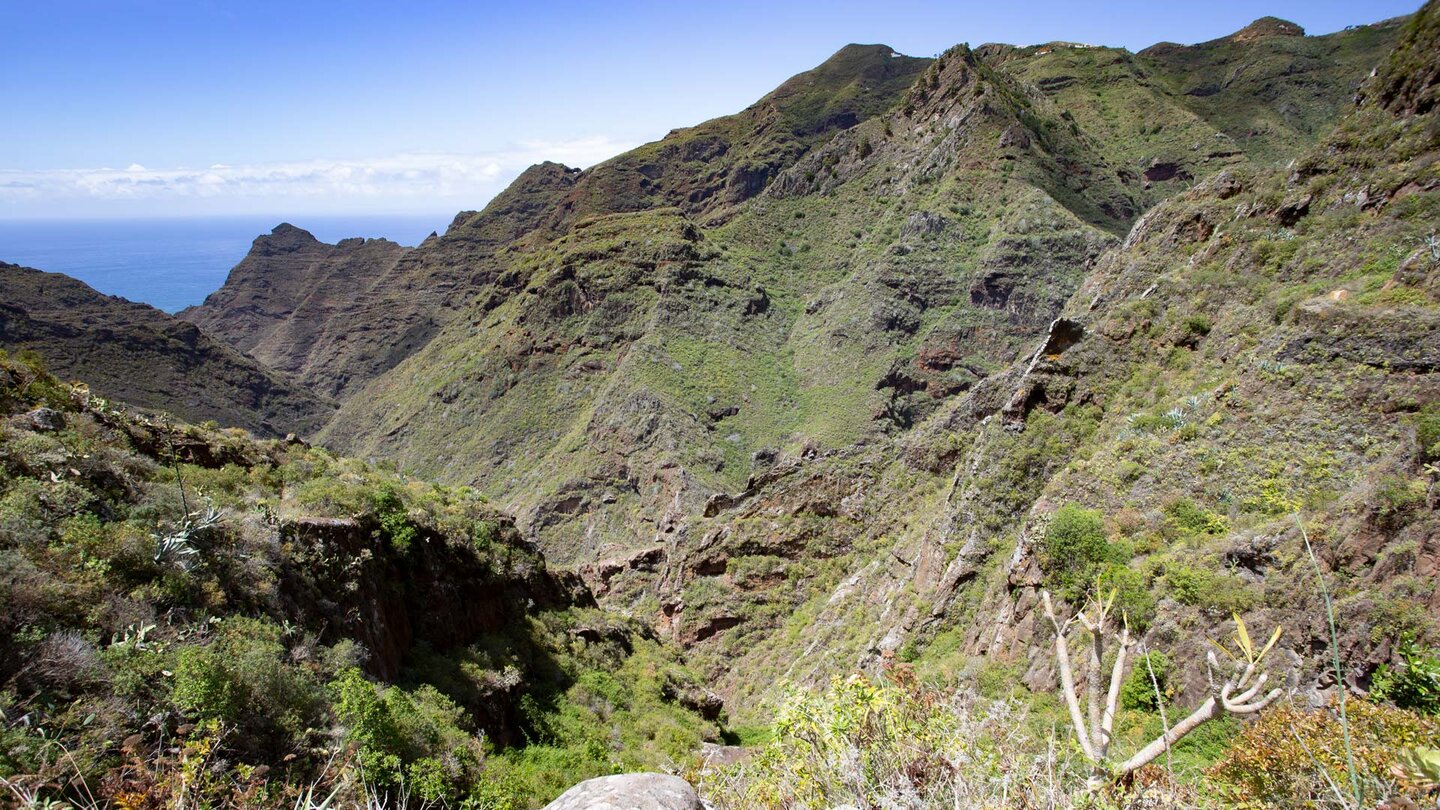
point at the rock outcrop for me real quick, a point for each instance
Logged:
(629, 791)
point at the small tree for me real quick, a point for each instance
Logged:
(1237, 694)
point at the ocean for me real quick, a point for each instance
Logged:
(171, 264)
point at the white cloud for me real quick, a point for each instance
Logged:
(432, 181)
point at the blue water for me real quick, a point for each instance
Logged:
(174, 263)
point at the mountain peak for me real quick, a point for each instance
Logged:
(1267, 27)
(286, 233)
(855, 49)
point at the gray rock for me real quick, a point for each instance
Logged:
(629, 791)
(45, 420)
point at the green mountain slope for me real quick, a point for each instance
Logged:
(1260, 348)
(656, 343)
(841, 382)
(194, 617)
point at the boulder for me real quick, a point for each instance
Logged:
(44, 420)
(629, 791)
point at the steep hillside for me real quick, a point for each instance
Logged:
(645, 360)
(191, 617)
(336, 316)
(140, 355)
(636, 361)
(284, 296)
(709, 169)
(1259, 354)
(1172, 114)
(844, 381)
(1269, 88)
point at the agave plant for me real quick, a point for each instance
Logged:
(178, 546)
(1421, 765)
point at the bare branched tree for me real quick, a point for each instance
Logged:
(1239, 693)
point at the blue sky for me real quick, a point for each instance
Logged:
(163, 107)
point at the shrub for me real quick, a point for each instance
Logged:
(244, 678)
(205, 688)
(1414, 684)
(1211, 590)
(1397, 497)
(1138, 691)
(1187, 516)
(395, 522)
(1289, 756)
(1074, 549)
(1427, 432)
(417, 739)
(1132, 594)
(865, 742)
(1198, 325)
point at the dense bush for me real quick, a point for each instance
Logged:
(1137, 693)
(1074, 551)
(1216, 591)
(893, 742)
(1427, 432)
(1413, 684)
(417, 740)
(1292, 756)
(245, 679)
(1185, 516)
(1133, 597)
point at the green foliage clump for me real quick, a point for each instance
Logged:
(1292, 757)
(417, 739)
(1413, 684)
(1186, 516)
(395, 522)
(1137, 693)
(1427, 432)
(1396, 498)
(244, 678)
(891, 742)
(1132, 594)
(1215, 591)
(1074, 551)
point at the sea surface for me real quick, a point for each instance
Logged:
(174, 263)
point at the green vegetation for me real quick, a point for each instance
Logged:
(1290, 754)
(838, 382)
(261, 620)
(1413, 683)
(1152, 673)
(1218, 592)
(1075, 550)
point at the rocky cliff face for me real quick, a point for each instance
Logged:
(336, 316)
(1258, 349)
(804, 385)
(285, 295)
(140, 355)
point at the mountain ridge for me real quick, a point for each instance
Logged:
(138, 354)
(833, 384)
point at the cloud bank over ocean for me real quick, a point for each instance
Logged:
(412, 181)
